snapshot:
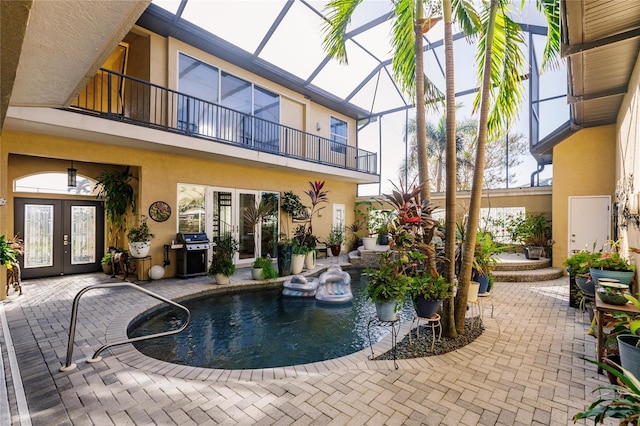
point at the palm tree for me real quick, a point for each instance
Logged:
(437, 146)
(500, 94)
(408, 26)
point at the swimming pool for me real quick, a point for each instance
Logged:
(262, 329)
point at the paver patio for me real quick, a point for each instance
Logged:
(524, 370)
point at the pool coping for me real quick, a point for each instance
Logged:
(127, 354)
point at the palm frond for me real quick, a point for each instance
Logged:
(466, 16)
(338, 14)
(551, 11)
(403, 64)
(507, 68)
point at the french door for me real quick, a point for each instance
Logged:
(226, 214)
(60, 236)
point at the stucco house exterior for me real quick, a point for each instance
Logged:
(111, 85)
(201, 134)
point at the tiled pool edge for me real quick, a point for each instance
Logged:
(130, 356)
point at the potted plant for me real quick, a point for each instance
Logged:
(107, 266)
(8, 251)
(222, 266)
(297, 261)
(534, 232)
(578, 266)
(140, 239)
(336, 237)
(611, 264)
(387, 286)
(263, 269)
(483, 261)
(10, 248)
(354, 234)
(620, 400)
(115, 189)
(428, 292)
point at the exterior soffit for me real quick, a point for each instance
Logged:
(64, 45)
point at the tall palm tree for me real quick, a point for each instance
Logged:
(408, 26)
(437, 147)
(500, 71)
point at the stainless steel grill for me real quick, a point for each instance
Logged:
(194, 254)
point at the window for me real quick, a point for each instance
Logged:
(198, 80)
(251, 115)
(339, 132)
(191, 208)
(54, 183)
(266, 109)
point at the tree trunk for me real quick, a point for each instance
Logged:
(423, 166)
(478, 171)
(449, 327)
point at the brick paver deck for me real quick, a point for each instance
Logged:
(524, 370)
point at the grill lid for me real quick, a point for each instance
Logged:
(192, 238)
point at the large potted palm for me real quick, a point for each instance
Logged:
(115, 189)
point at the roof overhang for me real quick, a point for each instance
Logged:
(50, 49)
(600, 41)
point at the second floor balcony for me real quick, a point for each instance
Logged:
(115, 96)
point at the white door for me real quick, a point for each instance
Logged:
(338, 219)
(589, 222)
(226, 215)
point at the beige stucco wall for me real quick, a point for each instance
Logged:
(583, 164)
(628, 155)
(159, 174)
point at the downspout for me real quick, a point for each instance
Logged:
(537, 173)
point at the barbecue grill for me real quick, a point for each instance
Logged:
(194, 255)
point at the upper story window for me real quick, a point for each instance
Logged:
(250, 115)
(339, 135)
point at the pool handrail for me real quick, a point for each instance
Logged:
(95, 358)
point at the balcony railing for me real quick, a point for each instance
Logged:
(119, 97)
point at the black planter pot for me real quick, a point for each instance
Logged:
(533, 252)
(383, 239)
(426, 308)
(285, 255)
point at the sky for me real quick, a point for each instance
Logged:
(295, 46)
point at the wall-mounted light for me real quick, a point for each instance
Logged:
(71, 176)
(318, 126)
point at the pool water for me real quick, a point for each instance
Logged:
(262, 329)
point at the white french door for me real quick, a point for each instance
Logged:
(225, 214)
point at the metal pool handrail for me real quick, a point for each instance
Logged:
(95, 358)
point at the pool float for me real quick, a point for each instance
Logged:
(300, 286)
(335, 286)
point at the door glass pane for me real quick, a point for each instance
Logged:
(38, 236)
(247, 230)
(221, 214)
(191, 217)
(83, 235)
(269, 227)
